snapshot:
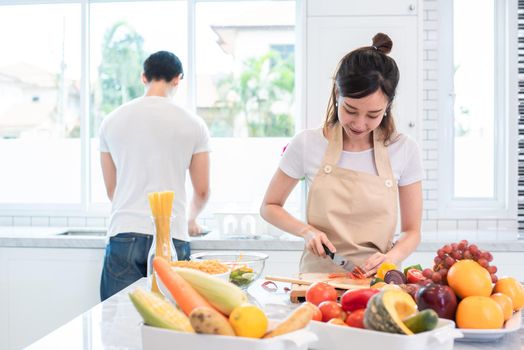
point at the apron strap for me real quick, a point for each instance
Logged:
(382, 161)
(335, 146)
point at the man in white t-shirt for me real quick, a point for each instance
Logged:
(147, 145)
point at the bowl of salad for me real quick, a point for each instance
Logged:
(245, 267)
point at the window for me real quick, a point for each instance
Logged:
(40, 105)
(84, 59)
(245, 91)
(477, 122)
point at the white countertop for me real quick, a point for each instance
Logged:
(114, 324)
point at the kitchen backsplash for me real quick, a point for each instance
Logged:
(429, 144)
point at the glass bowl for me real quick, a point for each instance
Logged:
(245, 267)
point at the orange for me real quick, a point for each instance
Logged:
(467, 278)
(479, 313)
(513, 289)
(505, 304)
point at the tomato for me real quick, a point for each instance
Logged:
(319, 292)
(330, 310)
(317, 314)
(414, 276)
(357, 299)
(356, 318)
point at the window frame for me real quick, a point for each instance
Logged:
(86, 208)
(503, 203)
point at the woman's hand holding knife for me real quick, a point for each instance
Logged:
(314, 239)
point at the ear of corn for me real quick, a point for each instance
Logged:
(223, 296)
(158, 312)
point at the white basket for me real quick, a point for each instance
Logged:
(333, 337)
(154, 338)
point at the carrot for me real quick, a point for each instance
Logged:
(185, 296)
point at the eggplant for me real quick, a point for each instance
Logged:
(395, 277)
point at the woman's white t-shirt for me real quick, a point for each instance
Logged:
(304, 154)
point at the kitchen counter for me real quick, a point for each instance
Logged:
(114, 324)
(64, 237)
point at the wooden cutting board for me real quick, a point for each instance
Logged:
(298, 292)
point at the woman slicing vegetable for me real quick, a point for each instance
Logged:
(359, 170)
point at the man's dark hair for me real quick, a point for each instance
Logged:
(162, 65)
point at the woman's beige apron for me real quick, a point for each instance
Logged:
(357, 211)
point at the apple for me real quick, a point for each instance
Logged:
(438, 297)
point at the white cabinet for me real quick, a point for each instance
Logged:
(43, 288)
(334, 30)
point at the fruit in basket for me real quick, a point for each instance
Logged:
(468, 278)
(331, 309)
(479, 312)
(505, 304)
(158, 312)
(423, 321)
(383, 268)
(356, 318)
(386, 311)
(298, 319)
(222, 295)
(449, 254)
(356, 299)
(513, 289)
(248, 321)
(439, 298)
(319, 292)
(209, 321)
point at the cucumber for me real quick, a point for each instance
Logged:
(424, 321)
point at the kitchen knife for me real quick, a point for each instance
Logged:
(339, 260)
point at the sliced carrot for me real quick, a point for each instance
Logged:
(185, 296)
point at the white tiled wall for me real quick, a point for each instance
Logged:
(429, 138)
(429, 146)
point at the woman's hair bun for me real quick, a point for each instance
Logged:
(382, 42)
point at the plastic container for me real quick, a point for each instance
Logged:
(160, 339)
(333, 337)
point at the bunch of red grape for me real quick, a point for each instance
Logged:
(450, 253)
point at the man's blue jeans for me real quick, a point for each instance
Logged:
(125, 260)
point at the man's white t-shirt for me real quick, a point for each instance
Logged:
(151, 141)
(304, 154)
